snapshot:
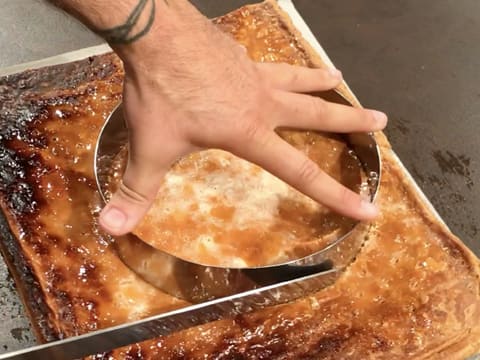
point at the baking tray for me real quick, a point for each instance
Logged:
(16, 330)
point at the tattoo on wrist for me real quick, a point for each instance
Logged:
(123, 34)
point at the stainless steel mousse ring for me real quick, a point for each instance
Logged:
(198, 282)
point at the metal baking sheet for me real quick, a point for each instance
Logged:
(15, 332)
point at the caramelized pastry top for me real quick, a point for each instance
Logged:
(216, 209)
(412, 292)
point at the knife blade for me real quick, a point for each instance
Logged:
(102, 341)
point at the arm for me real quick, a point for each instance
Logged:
(121, 22)
(178, 97)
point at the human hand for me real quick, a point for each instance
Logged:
(193, 87)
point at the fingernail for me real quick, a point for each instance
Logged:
(335, 73)
(380, 118)
(114, 218)
(369, 210)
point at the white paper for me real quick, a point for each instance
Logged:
(58, 59)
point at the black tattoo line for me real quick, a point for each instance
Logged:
(123, 34)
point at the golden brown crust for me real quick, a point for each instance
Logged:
(471, 344)
(413, 291)
(26, 283)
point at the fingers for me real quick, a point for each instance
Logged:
(296, 169)
(313, 113)
(146, 168)
(309, 112)
(298, 78)
(132, 200)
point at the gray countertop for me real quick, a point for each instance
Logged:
(416, 60)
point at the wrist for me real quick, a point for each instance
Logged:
(127, 25)
(173, 30)
(140, 26)
(142, 32)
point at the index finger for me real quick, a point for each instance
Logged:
(295, 168)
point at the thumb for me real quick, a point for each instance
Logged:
(133, 198)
